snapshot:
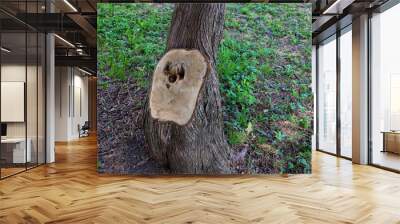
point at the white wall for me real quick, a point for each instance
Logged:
(13, 72)
(62, 82)
(71, 87)
(80, 94)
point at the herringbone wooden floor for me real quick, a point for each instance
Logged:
(71, 191)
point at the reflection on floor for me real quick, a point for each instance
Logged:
(10, 169)
(346, 152)
(387, 159)
(71, 191)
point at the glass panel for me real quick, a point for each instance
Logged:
(23, 90)
(13, 88)
(314, 85)
(32, 88)
(41, 99)
(31, 98)
(385, 89)
(346, 94)
(327, 96)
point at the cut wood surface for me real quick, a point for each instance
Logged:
(176, 84)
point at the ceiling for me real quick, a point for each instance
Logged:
(74, 22)
(331, 15)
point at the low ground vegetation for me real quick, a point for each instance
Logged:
(264, 67)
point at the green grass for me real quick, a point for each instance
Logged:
(131, 39)
(264, 67)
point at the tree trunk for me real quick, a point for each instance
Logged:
(198, 146)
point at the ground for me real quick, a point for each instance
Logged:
(264, 67)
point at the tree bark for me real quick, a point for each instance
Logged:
(199, 146)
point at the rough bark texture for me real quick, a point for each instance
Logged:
(200, 146)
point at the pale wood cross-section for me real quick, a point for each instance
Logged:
(177, 80)
(71, 191)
